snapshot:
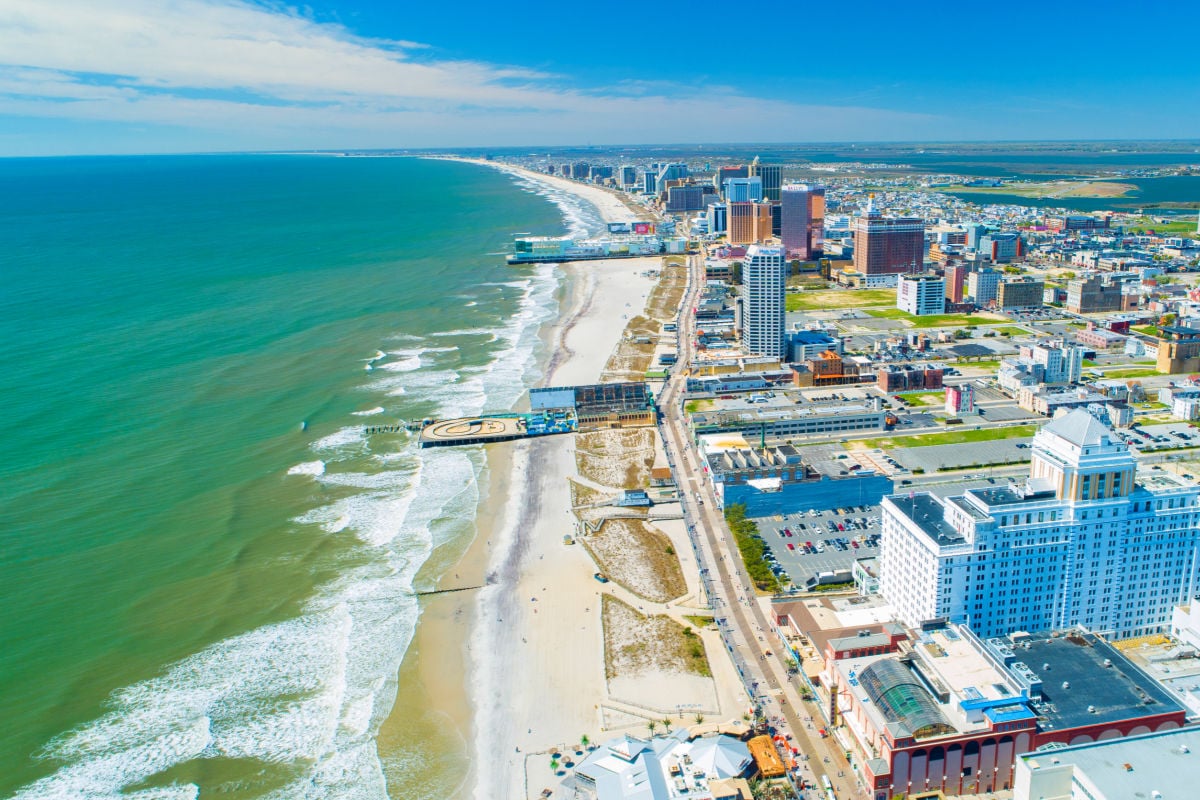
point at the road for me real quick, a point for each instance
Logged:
(731, 593)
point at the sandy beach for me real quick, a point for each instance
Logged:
(536, 654)
(516, 671)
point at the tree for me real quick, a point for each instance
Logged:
(699, 719)
(735, 273)
(584, 741)
(652, 726)
(554, 764)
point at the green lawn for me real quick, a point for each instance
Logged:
(1148, 330)
(1011, 330)
(703, 404)
(1087, 362)
(1130, 373)
(933, 320)
(991, 365)
(953, 437)
(833, 299)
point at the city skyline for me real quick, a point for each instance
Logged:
(214, 75)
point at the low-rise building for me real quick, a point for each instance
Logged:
(1152, 765)
(779, 480)
(1096, 294)
(661, 768)
(788, 414)
(897, 378)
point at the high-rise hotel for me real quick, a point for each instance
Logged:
(764, 284)
(885, 246)
(802, 223)
(1086, 540)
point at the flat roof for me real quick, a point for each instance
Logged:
(926, 511)
(1114, 693)
(1134, 766)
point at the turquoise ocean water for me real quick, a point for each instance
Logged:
(206, 568)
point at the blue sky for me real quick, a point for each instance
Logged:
(123, 76)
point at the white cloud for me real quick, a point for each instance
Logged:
(248, 73)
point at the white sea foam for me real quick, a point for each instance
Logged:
(311, 692)
(343, 439)
(368, 412)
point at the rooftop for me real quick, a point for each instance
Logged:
(1136, 766)
(1075, 678)
(1080, 428)
(926, 511)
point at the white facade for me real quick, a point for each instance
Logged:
(764, 282)
(1081, 543)
(921, 294)
(983, 285)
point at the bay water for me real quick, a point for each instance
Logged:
(206, 567)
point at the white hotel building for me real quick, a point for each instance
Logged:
(1087, 540)
(764, 284)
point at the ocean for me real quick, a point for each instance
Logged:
(207, 568)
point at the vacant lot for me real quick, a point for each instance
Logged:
(934, 320)
(833, 299)
(951, 437)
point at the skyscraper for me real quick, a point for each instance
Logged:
(772, 178)
(743, 190)
(764, 282)
(794, 229)
(888, 245)
(725, 173)
(956, 276)
(628, 177)
(816, 221)
(749, 222)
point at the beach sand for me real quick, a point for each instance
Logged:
(516, 670)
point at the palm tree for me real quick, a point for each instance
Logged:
(699, 719)
(554, 764)
(652, 726)
(666, 723)
(583, 741)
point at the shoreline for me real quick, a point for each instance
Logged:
(440, 674)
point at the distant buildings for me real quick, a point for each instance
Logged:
(1001, 248)
(724, 174)
(771, 176)
(743, 190)
(628, 177)
(1041, 364)
(1082, 542)
(1018, 293)
(888, 245)
(1077, 222)
(686, 198)
(956, 279)
(802, 220)
(764, 279)
(983, 285)
(1095, 294)
(921, 294)
(748, 223)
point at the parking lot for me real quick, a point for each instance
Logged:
(1149, 438)
(931, 458)
(831, 549)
